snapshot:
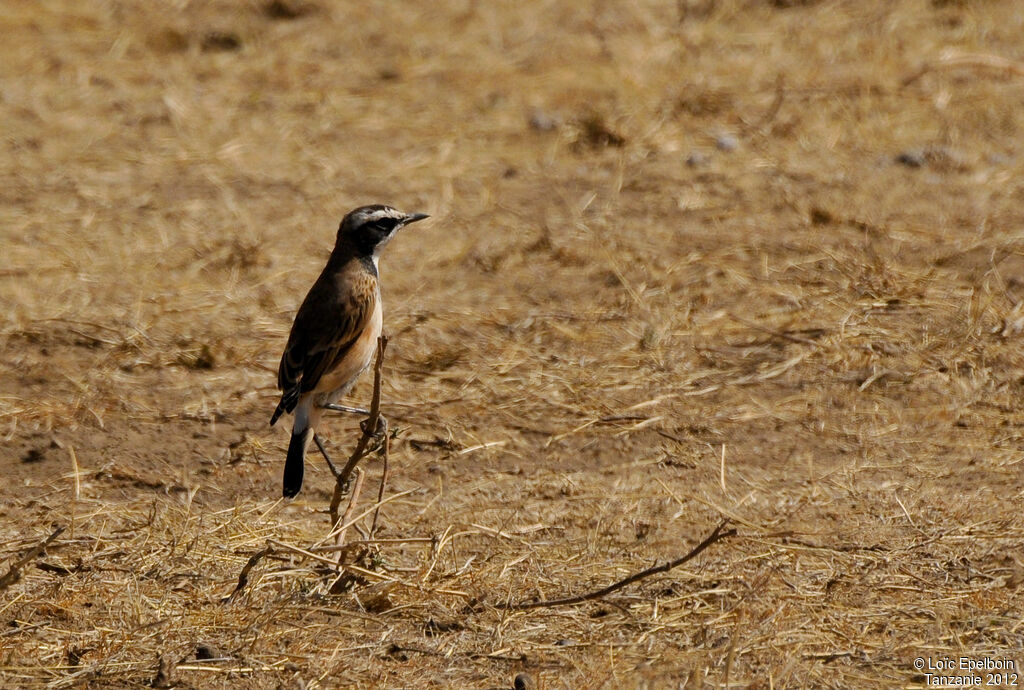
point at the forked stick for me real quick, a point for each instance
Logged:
(357, 489)
(385, 454)
(341, 478)
(369, 428)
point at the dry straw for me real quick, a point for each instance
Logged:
(745, 260)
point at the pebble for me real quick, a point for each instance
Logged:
(523, 681)
(542, 122)
(727, 142)
(696, 159)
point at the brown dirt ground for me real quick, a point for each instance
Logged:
(755, 259)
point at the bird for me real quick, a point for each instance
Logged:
(335, 332)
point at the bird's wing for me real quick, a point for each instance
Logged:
(326, 326)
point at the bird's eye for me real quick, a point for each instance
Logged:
(385, 225)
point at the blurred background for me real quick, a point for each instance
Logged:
(756, 259)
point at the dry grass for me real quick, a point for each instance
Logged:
(748, 259)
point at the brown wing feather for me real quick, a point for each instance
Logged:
(345, 335)
(329, 321)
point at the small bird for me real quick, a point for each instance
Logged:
(335, 332)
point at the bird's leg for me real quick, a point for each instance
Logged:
(345, 408)
(323, 451)
(382, 422)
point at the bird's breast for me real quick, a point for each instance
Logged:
(358, 357)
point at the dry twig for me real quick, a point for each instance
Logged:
(369, 428)
(951, 58)
(243, 577)
(716, 535)
(13, 573)
(385, 455)
(346, 520)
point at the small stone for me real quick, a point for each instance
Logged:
(696, 159)
(939, 158)
(727, 142)
(285, 9)
(378, 603)
(523, 681)
(542, 122)
(911, 159)
(207, 651)
(821, 216)
(220, 41)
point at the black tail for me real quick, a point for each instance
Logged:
(295, 462)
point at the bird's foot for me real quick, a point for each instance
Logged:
(379, 434)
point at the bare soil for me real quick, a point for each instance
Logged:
(753, 260)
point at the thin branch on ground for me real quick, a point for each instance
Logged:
(13, 573)
(243, 577)
(952, 58)
(716, 535)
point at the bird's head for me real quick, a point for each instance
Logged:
(369, 228)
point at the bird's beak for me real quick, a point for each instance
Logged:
(413, 217)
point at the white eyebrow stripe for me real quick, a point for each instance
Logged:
(383, 213)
